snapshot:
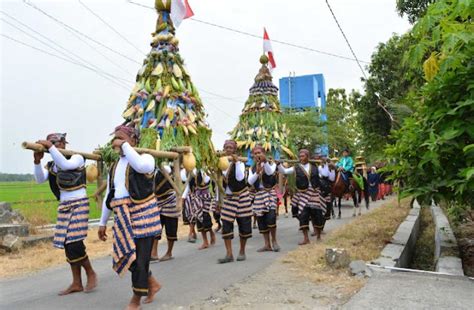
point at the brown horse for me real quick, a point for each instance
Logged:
(339, 189)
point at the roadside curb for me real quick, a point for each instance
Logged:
(400, 250)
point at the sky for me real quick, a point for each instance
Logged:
(41, 93)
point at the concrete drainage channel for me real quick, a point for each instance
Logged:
(398, 254)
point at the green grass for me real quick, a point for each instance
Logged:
(36, 201)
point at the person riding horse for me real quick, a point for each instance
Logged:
(346, 167)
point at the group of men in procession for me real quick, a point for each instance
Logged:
(144, 202)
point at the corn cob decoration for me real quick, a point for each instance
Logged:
(164, 104)
(260, 121)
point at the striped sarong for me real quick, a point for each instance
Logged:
(132, 221)
(206, 199)
(72, 223)
(237, 205)
(264, 201)
(308, 198)
(192, 208)
(167, 204)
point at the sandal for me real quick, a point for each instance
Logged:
(224, 260)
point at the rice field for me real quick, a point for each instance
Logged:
(36, 201)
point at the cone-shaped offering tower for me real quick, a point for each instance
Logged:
(165, 104)
(260, 121)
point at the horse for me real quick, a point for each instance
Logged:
(339, 189)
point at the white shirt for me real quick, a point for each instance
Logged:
(324, 171)
(239, 174)
(144, 163)
(75, 162)
(267, 167)
(291, 170)
(206, 180)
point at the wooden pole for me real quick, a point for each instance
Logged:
(182, 149)
(39, 148)
(293, 161)
(169, 179)
(100, 183)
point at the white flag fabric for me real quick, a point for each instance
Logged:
(180, 10)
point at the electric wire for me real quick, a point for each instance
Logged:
(59, 57)
(111, 27)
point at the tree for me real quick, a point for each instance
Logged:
(384, 103)
(261, 121)
(342, 124)
(414, 9)
(433, 151)
(305, 129)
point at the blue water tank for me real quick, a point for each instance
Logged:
(300, 92)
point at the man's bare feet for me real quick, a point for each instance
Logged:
(91, 282)
(166, 257)
(153, 287)
(134, 303)
(73, 288)
(265, 249)
(203, 246)
(213, 238)
(303, 242)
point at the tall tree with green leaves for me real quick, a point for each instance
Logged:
(433, 151)
(384, 103)
(305, 128)
(413, 9)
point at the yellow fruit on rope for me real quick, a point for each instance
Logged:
(252, 145)
(185, 129)
(158, 70)
(181, 85)
(288, 151)
(177, 71)
(223, 163)
(189, 161)
(249, 132)
(150, 106)
(276, 135)
(175, 84)
(141, 111)
(128, 112)
(157, 86)
(158, 143)
(241, 143)
(166, 91)
(191, 116)
(148, 86)
(91, 173)
(136, 88)
(192, 129)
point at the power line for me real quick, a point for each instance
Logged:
(259, 36)
(110, 27)
(100, 71)
(79, 32)
(60, 57)
(345, 38)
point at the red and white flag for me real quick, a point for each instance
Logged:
(180, 10)
(267, 49)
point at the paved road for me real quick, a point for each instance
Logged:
(193, 275)
(396, 290)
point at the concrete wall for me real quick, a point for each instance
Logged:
(399, 252)
(446, 248)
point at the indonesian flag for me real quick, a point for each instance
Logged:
(180, 10)
(267, 49)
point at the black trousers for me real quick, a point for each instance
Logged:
(206, 224)
(75, 252)
(170, 225)
(245, 228)
(217, 217)
(315, 215)
(266, 221)
(140, 268)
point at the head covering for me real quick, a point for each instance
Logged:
(132, 132)
(304, 151)
(230, 142)
(346, 150)
(258, 147)
(56, 137)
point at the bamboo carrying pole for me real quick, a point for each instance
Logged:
(182, 149)
(39, 148)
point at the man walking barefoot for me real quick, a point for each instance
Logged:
(67, 180)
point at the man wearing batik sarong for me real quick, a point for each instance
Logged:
(198, 193)
(237, 205)
(327, 175)
(130, 194)
(262, 176)
(190, 208)
(166, 199)
(67, 180)
(306, 201)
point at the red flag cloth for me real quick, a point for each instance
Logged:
(267, 49)
(180, 10)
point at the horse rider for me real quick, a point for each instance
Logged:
(346, 167)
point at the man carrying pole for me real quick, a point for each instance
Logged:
(237, 205)
(67, 180)
(130, 194)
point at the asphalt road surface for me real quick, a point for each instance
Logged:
(192, 276)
